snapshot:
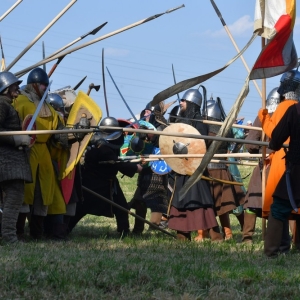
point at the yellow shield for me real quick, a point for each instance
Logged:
(83, 105)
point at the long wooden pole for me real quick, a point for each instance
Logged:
(39, 36)
(10, 9)
(234, 43)
(219, 123)
(129, 130)
(217, 161)
(225, 155)
(51, 58)
(264, 151)
(127, 211)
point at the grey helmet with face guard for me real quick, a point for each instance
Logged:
(290, 85)
(273, 100)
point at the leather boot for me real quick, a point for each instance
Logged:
(36, 226)
(59, 232)
(296, 234)
(20, 226)
(225, 223)
(183, 236)
(249, 227)
(241, 219)
(202, 234)
(140, 210)
(285, 244)
(273, 236)
(0, 219)
(215, 234)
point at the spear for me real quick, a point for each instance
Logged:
(224, 155)
(96, 40)
(44, 55)
(219, 123)
(175, 82)
(217, 161)
(127, 211)
(39, 36)
(92, 32)
(3, 58)
(10, 9)
(234, 43)
(79, 83)
(132, 130)
(131, 112)
(104, 86)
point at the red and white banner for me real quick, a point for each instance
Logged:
(274, 20)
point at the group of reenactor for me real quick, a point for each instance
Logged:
(35, 186)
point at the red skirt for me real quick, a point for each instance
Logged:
(192, 219)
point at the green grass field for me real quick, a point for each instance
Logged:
(95, 264)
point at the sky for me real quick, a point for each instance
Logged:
(140, 59)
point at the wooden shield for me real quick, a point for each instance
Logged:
(83, 105)
(182, 145)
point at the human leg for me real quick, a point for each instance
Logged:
(280, 210)
(249, 226)
(13, 198)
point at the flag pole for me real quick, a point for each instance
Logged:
(264, 151)
(39, 35)
(10, 9)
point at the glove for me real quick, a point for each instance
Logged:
(97, 141)
(22, 140)
(262, 114)
(83, 123)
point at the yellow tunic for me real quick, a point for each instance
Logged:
(40, 158)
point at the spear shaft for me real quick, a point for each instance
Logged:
(39, 36)
(128, 211)
(132, 130)
(95, 41)
(10, 9)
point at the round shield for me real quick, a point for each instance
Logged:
(24, 127)
(159, 167)
(182, 145)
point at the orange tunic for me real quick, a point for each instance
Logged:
(277, 167)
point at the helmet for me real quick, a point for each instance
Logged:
(56, 101)
(7, 79)
(38, 75)
(149, 107)
(109, 134)
(213, 110)
(290, 85)
(174, 113)
(193, 95)
(273, 100)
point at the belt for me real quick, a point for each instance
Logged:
(216, 166)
